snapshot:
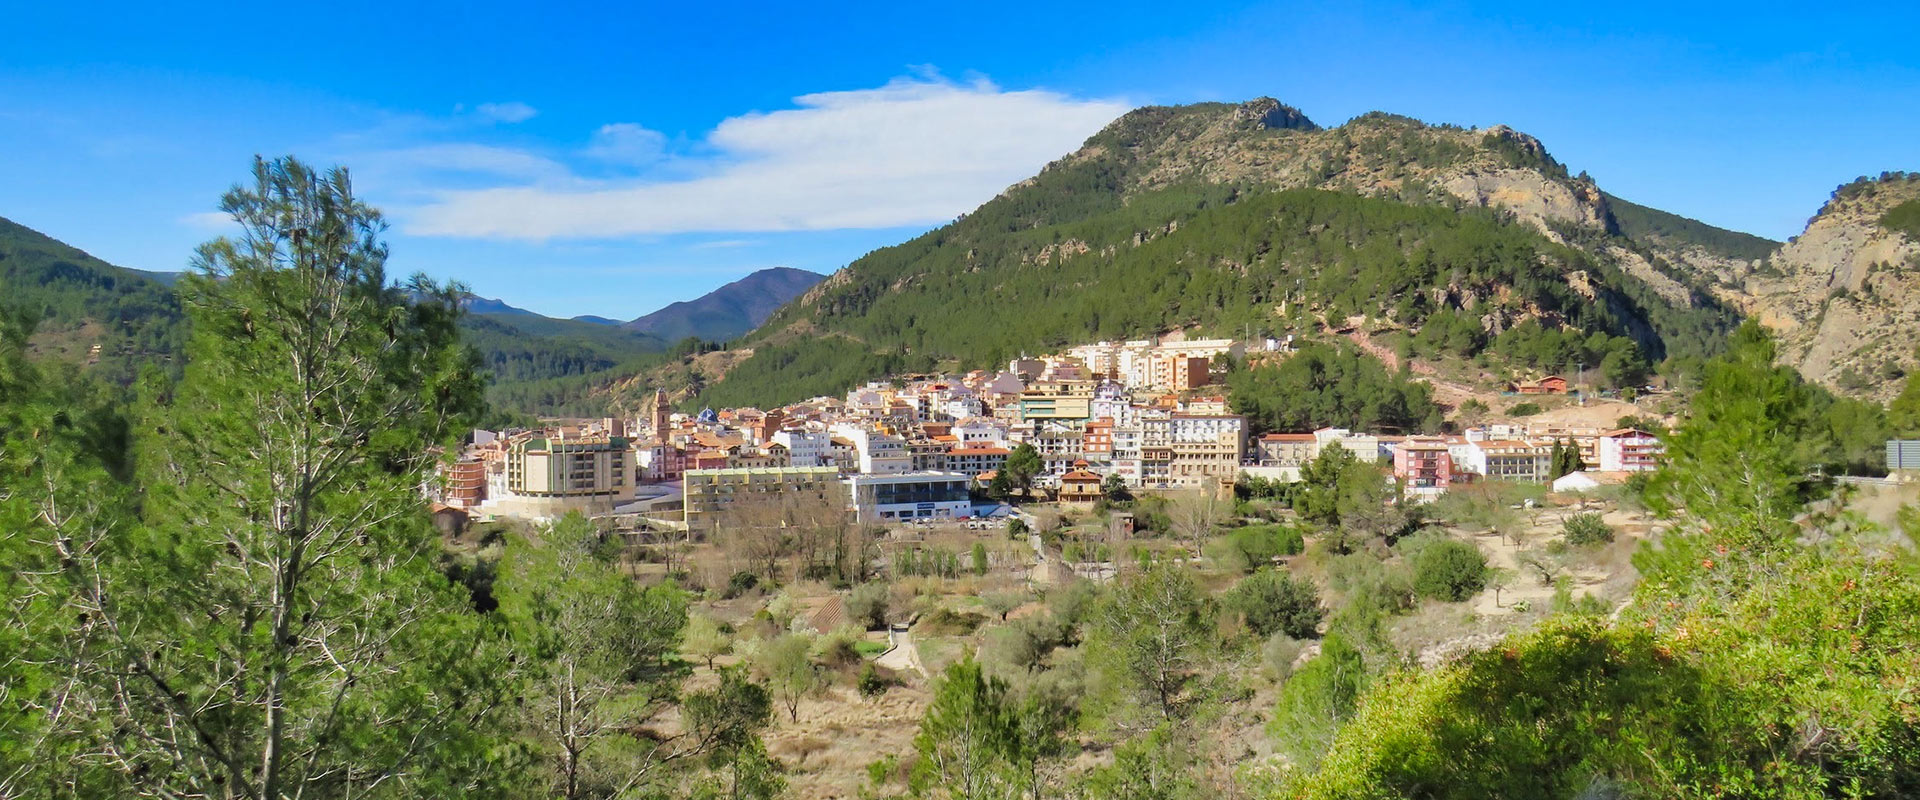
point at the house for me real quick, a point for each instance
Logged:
(1552, 384)
(1080, 487)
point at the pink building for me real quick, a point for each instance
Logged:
(1423, 463)
(1630, 450)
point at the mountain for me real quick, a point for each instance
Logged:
(731, 310)
(475, 304)
(81, 301)
(596, 320)
(1843, 295)
(1224, 218)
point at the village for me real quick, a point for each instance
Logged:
(1098, 419)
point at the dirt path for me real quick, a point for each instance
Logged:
(904, 657)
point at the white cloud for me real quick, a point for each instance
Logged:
(915, 151)
(628, 143)
(210, 222)
(509, 112)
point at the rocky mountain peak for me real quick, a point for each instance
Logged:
(1270, 114)
(1844, 295)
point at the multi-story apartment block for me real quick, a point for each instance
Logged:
(1630, 450)
(1364, 446)
(548, 475)
(1205, 450)
(1055, 403)
(1514, 460)
(1156, 451)
(1098, 438)
(463, 482)
(1286, 449)
(926, 454)
(711, 494)
(806, 448)
(1423, 463)
(975, 460)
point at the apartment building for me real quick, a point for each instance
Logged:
(1286, 449)
(1423, 463)
(1205, 450)
(548, 475)
(711, 493)
(1630, 450)
(806, 448)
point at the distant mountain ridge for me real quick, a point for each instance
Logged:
(731, 310)
(80, 300)
(1218, 218)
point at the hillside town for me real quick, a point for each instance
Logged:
(1144, 415)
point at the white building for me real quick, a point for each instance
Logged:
(916, 495)
(806, 448)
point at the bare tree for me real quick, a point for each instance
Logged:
(1195, 515)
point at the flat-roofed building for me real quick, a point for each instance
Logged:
(913, 495)
(1286, 449)
(711, 493)
(548, 475)
(1627, 450)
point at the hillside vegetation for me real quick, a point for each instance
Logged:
(1227, 219)
(64, 288)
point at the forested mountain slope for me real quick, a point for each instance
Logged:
(731, 310)
(1227, 218)
(80, 301)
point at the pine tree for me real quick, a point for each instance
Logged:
(279, 626)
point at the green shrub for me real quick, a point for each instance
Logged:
(873, 680)
(1273, 602)
(741, 583)
(1449, 570)
(1260, 544)
(868, 604)
(1523, 409)
(1585, 529)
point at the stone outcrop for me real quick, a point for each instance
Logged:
(1844, 297)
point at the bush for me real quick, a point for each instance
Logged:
(874, 681)
(1449, 570)
(1585, 529)
(1260, 544)
(1523, 409)
(1016, 527)
(943, 621)
(1273, 602)
(741, 583)
(1279, 653)
(868, 604)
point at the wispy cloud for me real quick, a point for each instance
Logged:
(210, 222)
(627, 143)
(723, 244)
(915, 151)
(509, 112)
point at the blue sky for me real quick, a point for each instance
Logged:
(577, 159)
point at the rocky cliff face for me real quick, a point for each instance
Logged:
(1265, 142)
(1845, 295)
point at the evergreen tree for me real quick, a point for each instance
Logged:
(278, 626)
(1740, 462)
(1022, 465)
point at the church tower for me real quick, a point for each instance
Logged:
(662, 414)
